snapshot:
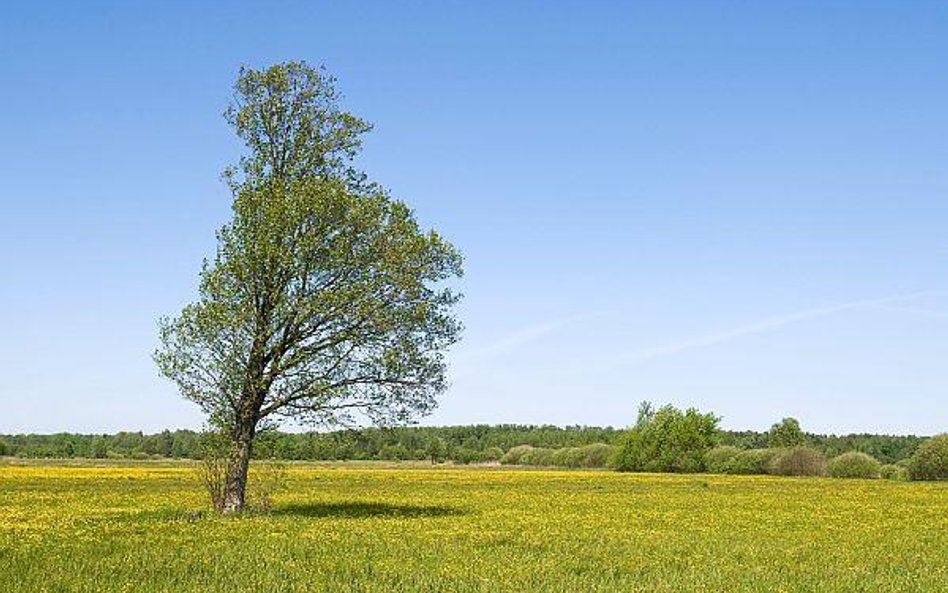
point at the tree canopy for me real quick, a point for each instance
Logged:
(326, 301)
(786, 433)
(667, 440)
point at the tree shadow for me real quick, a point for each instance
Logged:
(365, 510)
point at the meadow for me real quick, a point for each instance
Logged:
(370, 528)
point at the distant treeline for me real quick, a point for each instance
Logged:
(885, 448)
(461, 444)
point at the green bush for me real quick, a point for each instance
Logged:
(890, 471)
(798, 461)
(528, 455)
(537, 456)
(930, 462)
(752, 462)
(466, 456)
(667, 440)
(854, 465)
(567, 457)
(515, 454)
(492, 454)
(4, 450)
(596, 454)
(718, 460)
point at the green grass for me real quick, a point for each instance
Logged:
(139, 527)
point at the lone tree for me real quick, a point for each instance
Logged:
(667, 440)
(326, 302)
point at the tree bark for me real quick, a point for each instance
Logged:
(235, 489)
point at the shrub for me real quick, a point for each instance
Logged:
(596, 455)
(667, 440)
(930, 462)
(537, 456)
(216, 448)
(718, 460)
(4, 450)
(567, 457)
(751, 462)
(854, 465)
(515, 454)
(492, 454)
(466, 456)
(891, 471)
(798, 461)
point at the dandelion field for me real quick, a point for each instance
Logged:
(349, 528)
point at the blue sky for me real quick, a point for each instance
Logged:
(740, 206)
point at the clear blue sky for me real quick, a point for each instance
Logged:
(741, 206)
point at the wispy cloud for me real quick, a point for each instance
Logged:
(912, 311)
(466, 359)
(757, 327)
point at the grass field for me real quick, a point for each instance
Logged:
(349, 528)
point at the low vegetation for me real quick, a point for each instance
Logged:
(798, 461)
(590, 456)
(854, 465)
(662, 440)
(351, 528)
(891, 471)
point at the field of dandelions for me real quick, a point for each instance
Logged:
(347, 528)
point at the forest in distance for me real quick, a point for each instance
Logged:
(460, 444)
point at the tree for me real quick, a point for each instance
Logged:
(930, 462)
(326, 302)
(437, 450)
(786, 433)
(667, 440)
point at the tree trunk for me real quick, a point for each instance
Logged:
(235, 489)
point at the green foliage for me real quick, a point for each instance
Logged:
(418, 442)
(465, 456)
(567, 457)
(515, 455)
(537, 456)
(290, 119)
(785, 434)
(718, 460)
(667, 440)
(437, 450)
(930, 462)
(798, 461)
(885, 448)
(590, 456)
(492, 454)
(854, 465)
(326, 301)
(4, 449)
(890, 471)
(596, 455)
(363, 443)
(752, 462)
(216, 450)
